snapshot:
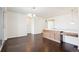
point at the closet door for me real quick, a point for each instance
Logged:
(1, 27)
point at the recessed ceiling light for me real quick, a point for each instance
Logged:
(72, 23)
(29, 15)
(34, 15)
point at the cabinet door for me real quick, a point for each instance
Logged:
(1, 26)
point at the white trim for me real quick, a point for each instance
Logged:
(2, 45)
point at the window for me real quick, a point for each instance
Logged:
(51, 24)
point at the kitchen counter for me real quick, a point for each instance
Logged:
(65, 32)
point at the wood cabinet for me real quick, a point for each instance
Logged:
(52, 35)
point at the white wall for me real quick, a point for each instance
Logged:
(62, 22)
(1, 24)
(39, 25)
(19, 24)
(16, 24)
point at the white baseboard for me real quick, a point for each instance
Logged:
(2, 45)
(16, 36)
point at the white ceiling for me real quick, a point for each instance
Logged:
(42, 11)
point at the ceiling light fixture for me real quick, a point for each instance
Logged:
(32, 12)
(72, 23)
(73, 16)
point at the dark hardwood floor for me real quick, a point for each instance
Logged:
(35, 43)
